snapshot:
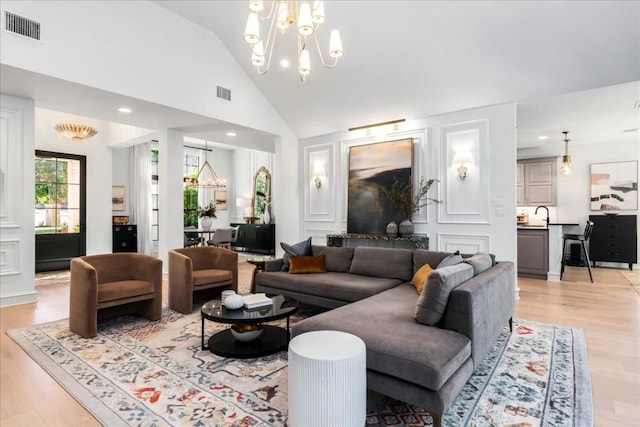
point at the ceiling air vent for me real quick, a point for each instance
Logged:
(20, 25)
(224, 93)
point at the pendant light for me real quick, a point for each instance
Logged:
(565, 169)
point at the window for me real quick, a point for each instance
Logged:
(57, 193)
(190, 194)
(154, 196)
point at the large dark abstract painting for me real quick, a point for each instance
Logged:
(370, 167)
(614, 186)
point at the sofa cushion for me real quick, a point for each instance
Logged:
(307, 264)
(420, 277)
(452, 259)
(382, 262)
(339, 286)
(337, 258)
(123, 289)
(422, 257)
(396, 345)
(432, 302)
(211, 275)
(479, 262)
(298, 249)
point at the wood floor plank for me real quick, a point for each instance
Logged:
(608, 311)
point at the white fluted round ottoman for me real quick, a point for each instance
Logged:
(327, 380)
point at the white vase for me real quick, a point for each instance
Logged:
(266, 219)
(206, 223)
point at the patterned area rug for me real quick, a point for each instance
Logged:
(142, 373)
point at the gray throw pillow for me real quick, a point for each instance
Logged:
(433, 299)
(479, 262)
(299, 249)
(453, 259)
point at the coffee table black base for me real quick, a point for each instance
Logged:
(272, 340)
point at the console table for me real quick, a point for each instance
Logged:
(257, 238)
(416, 241)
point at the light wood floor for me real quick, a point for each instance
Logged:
(608, 311)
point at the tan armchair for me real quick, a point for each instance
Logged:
(197, 269)
(111, 285)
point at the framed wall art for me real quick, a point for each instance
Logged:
(614, 186)
(371, 167)
(220, 197)
(118, 197)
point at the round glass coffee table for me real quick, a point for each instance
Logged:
(272, 339)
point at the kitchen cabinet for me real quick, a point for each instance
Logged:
(260, 238)
(536, 182)
(614, 239)
(533, 253)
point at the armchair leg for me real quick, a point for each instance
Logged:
(511, 324)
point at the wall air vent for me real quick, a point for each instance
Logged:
(20, 25)
(224, 93)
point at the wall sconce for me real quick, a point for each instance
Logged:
(394, 123)
(318, 174)
(462, 157)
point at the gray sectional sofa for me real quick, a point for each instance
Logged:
(463, 308)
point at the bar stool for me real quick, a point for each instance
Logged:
(582, 238)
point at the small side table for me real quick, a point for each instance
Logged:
(327, 380)
(259, 263)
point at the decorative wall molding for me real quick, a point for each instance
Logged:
(465, 201)
(9, 257)
(318, 235)
(421, 165)
(465, 243)
(10, 167)
(319, 203)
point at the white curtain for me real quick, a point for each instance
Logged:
(140, 176)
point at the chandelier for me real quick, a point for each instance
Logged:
(75, 131)
(306, 15)
(565, 169)
(207, 177)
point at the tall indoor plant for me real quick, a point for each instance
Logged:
(406, 204)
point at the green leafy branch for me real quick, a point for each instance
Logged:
(401, 197)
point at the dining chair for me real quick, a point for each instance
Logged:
(222, 237)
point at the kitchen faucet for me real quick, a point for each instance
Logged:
(547, 209)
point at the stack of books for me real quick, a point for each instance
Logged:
(257, 300)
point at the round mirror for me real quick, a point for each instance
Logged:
(262, 193)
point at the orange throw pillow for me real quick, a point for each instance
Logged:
(420, 277)
(307, 264)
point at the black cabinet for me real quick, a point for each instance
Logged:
(259, 238)
(125, 238)
(614, 239)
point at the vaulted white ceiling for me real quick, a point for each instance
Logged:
(413, 59)
(570, 65)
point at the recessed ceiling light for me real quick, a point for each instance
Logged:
(543, 137)
(124, 110)
(231, 134)
(284, 63)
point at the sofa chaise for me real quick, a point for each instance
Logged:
(421, 347)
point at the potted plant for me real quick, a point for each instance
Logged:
(208, 214)
(406, 204)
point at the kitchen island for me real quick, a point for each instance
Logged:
(540, 249)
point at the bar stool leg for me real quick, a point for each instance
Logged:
(564, 246)
(586, 254)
